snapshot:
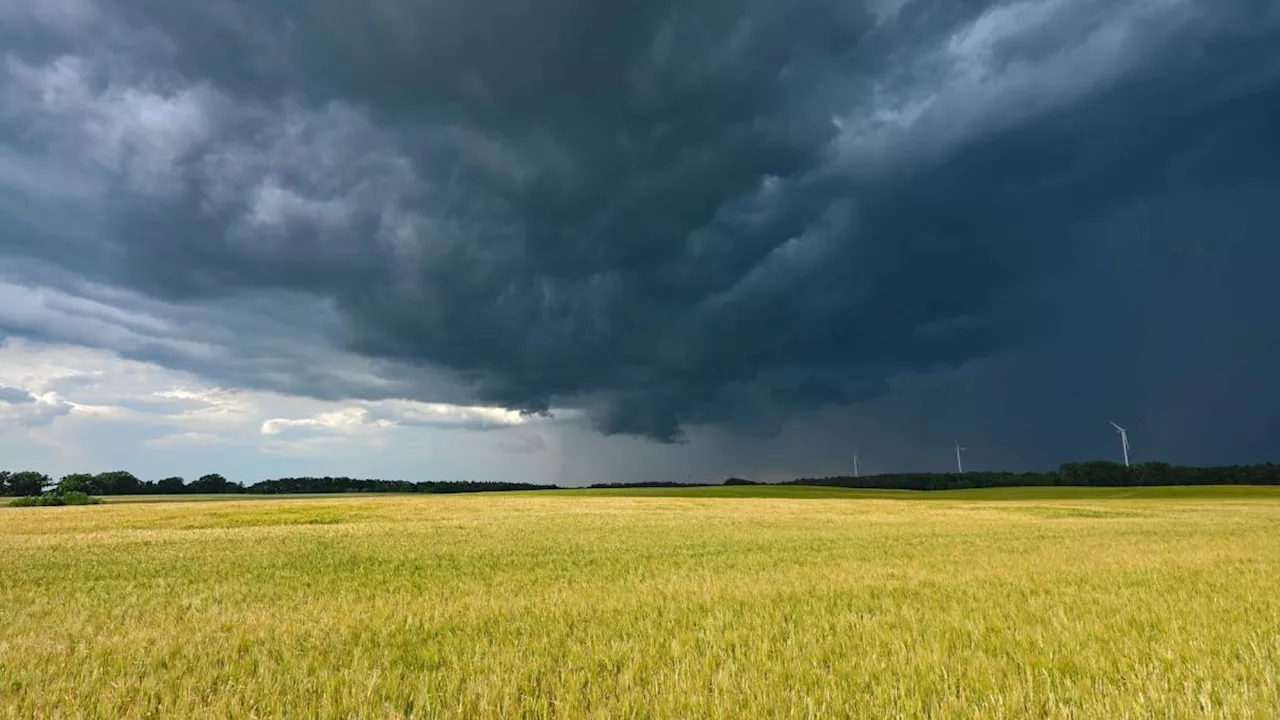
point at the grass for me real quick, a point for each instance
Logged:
(1209, 492)
(595, 604)
(797, 492)
(221, 497)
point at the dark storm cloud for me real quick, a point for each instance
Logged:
(672, 213)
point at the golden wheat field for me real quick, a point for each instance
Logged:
(813, 604)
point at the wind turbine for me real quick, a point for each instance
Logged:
(1124, 442)
(959, 449)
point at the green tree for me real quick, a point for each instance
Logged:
(79, 482)
(1098, 473)
(171, 485)
(211, 483)
(28, 483)
(1155, 473)
(118, 482)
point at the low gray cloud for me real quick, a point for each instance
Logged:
(15, 396)
(663, 214)
(21, 408)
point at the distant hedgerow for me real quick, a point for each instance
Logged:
(67, 498)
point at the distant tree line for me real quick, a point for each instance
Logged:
(284, 486)
(1087, 474)
(31, 484)
(667, 484)
(1098, 474)
(645, 484)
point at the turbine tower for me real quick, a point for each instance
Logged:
(1124, 442)
(959, 449)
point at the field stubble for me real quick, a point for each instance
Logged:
(594, 606)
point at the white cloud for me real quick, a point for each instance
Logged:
(343, 420)
(405, 412)
(90, 409)
(37, 368)
(187, 439)
(97, 385)
(214, 405)
(270, 340)
(85, 384)
(100, 412)
(37, 411)
(399, 413)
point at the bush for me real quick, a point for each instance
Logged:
(53, 499)
(79, 498)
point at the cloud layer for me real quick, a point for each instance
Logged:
(664, 215)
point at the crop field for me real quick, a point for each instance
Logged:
(700, 603)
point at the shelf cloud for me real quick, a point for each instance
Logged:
(664, 215)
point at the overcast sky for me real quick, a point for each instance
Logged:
(578, 241)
